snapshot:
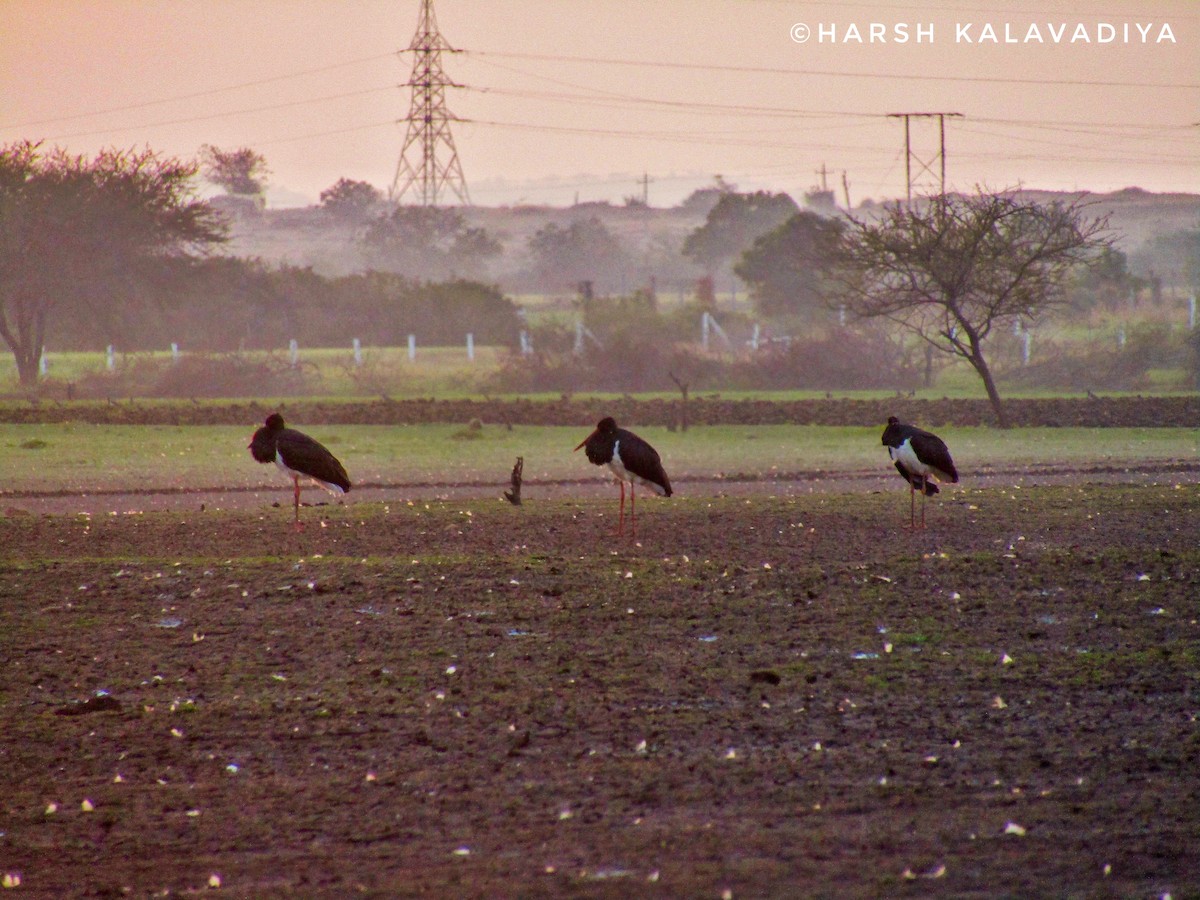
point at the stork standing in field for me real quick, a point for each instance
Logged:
(630, 459)
(919, 456)
(297, 456)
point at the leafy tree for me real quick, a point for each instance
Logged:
(351, 201)
(1176, 255)
(584, 251)
(733, 224)
(243, 171)
(428, 242)
(82, 237)
(787, 268)
(1107, 282)
(953, 269)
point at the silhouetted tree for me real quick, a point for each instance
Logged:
(242, 172)
(351, 201)
(81, 237)
(1107, 282)
(787, 268)
(584, 251)
(733, 224)
(429, 243)
(952, 269)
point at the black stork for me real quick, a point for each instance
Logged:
(298, 455)
(630, 459)
(919, 456)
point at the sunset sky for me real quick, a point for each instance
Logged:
(566, 99)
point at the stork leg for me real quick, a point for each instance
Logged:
(621, 515)
(912, 505)
(924, 489)
(633, 509)
(296, 502)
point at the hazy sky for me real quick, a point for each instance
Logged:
(578, 98)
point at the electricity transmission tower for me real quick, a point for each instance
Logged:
(428, 168)
(925, 166)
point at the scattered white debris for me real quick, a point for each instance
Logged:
(11, 880)
(214, 881)
(87, 805)
(1014, 828)
(462, 851)
(1006, 660)
(998, 703)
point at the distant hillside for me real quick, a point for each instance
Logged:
(310, 237)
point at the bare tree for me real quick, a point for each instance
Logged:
(956, 267)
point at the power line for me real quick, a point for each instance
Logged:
(226, 114)
(890, 76)
(192, 96)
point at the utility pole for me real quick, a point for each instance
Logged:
(428, 167)
(644, 181)
(925, 166)
(823, 172)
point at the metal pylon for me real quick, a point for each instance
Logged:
(428, 168)
(924, 165)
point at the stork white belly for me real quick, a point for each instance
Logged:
(292, 473)
(623, 474)
(907, 457)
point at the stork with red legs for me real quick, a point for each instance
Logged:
(918, 456)
(630, 459)
(298, 456)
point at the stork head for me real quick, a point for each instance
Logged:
(607, 425)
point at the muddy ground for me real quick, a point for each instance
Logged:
(760, 697)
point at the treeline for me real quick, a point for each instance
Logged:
(223, 304)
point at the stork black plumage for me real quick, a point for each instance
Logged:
(918, 455)
(298, 455)
(631, 459)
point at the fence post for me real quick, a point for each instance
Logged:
(1191, 312)
(1025, 348)
(110, 358)
(704, 330)
(754, 338)
(294, 351)
(526, 346)
(412, 347)
(1121, 338)
(357, 344)
(174, 353)
(471, 346)
(43, 363)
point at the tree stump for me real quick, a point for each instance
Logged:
(514, 496)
